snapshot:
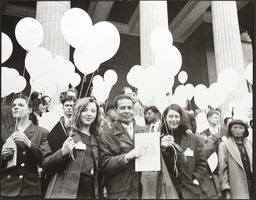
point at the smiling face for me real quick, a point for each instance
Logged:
(20, 109)
(124, 110)
(237, 130)
(173, 119)
(88, 115)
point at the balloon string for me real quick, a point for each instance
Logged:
(89, 84)
(84, 77)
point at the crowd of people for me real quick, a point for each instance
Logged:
(96, 159)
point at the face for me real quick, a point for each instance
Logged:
(204, 137)
(150, 116)
(88, 115)
(20, 109)
(124, 110)
(47, 101)
(112, 114)
(237, 130)
(214, 119)
(173, 119)
(68, 108)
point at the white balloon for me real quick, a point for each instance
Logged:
(85, 60)
(169, 61)
(101, 92)
(249, 73)
(201, 96)
(39, 62)
(160, 39)
(104, 41)
(134, 76)
(247, 100)
(190, 90)
(29, 33)
(41, 83)
(48, 120)
(110, 77)
(20, 84)
(75, 26)
(161, 102)
(228, 79)
(6, 48)
(50, 90)
(183, 77)
(202, 122)
(58, 110)
(75, 80)
(8, 78)
(97, 80)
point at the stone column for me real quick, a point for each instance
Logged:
(153, 14)
(49, 14)
(227, 46)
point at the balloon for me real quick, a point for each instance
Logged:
(110, 77)
(29, 33)
(249, 73)
(48, 120)
(202, 122)
(160, 39)
(169, 61)
(20, 84)
(134, 75)
(97, 80)
(190, 90)
(105, 40)
(101, 92)
(240, 112)
(64, 70)
(75, 26)
(216, 95)
(7, 47)
(58, 110)
(38, 62)
(213, 161)
(199, 89)
(247, 100)
(228, 79)
(50, 90)
(183, 77)
(161, 102)
(8, 78)
(85, 60)
(41, 83)
(75, 80)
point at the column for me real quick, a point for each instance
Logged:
(153, 14)
(227, 46)
(49, 14)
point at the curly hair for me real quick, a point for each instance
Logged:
(79, 106)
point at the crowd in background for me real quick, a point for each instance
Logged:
(97, 158)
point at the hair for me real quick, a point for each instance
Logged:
(43, 99)
(67, 98)
(212, 112)
(240, 122)
(34, 95)
(32, 116)
(35, 106)
(110, 107)
(120, 97)
(153, 108)
(192, 121)
(72, 90)
(80, 105)
(6, 115)
(133, 89)
(226, 120)
(184, 120)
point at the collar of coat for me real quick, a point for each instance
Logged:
(234, 151)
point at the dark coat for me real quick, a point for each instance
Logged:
(121, 180)
(64, 182)
(194, 167)
(210, 185)
(24, 180)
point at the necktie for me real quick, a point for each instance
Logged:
(152, 128)
(129, 130)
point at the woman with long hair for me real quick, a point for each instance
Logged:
(24, 145)
(235, 162)
(77, 178)
(182, 152)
